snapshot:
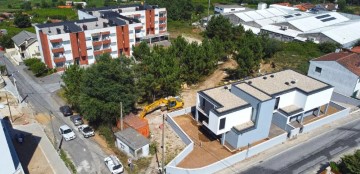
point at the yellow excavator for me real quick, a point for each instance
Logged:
(169, 103)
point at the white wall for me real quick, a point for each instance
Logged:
(318, 99)
(145, 151)
(228, 10)
(113, 39)
(232, 119)
(122, 146)
(32, 50)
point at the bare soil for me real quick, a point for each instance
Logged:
(215, 79)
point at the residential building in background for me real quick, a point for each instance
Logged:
(244, 113)
(342, 70)
(227, 8)
(112, 30)
(26, 45)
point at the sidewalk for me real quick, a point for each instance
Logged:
(289, 144)
(57, 165)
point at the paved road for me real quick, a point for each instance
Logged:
(85, 153)
(308, 156)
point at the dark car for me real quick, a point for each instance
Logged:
(66, 110)
(77, 120)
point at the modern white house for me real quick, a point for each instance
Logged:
(341, 70)
(132, 143)
(26, 45)
(227, 8)
(243, 113)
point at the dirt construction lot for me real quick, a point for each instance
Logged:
(206, 150)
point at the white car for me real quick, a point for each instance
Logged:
(67, 132)
(86, 130)
(113, 164)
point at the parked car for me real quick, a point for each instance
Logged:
(66, 110)
(67, 132)
(114, 164)
(77, 120)
(86, 130)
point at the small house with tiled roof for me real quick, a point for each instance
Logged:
(26, 44)
(341, 70)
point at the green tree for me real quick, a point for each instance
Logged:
(6, 41)
(72, 80)
(38, 68)
(247, 61)
(219, 27)
(22, 21)
(342, 4)
(178, 46)
(270, 46)
(44, 4)
(159, 75)
(26, 5)
(141, 51)
(351, 163)
(328, 47)
(78, 6)
(176, 10)
(104, 85)
(199, 9)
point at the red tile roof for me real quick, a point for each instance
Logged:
(305, 6)
(356, 49)
(350, 61)
(284, 4)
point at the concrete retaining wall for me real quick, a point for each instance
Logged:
(231, 159)
(328, 119)
(184, 137)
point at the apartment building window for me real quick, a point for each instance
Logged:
(60, 64)
(112, 34)
(222, 123)
(88, 38)
(90, 57)
(114, 52)
(67, 52)
(113, 43)
(89, 48)
(318, 69)
(156, 14)
(131, 40)
(156, 22)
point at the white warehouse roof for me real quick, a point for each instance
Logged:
(318, 21)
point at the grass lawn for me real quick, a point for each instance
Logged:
(41, 15)
(295, 56)
(176, 28)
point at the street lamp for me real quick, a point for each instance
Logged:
(18, 95)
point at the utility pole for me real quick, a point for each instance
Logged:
(121, 117)
(7, 100)
(163, 144)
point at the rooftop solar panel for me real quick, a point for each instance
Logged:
(288, 16)
(322, 16)
(297, 14)
(328, 19)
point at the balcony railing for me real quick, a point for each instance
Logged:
(59, 59)
(97, 43)
(58, 50)
(108, 50)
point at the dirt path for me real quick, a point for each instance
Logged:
(189, 95)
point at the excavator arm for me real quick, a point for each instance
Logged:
(156, 104)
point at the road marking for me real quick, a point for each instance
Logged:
(337, 150)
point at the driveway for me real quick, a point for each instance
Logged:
(85, 153)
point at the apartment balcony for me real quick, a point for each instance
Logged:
(162, 18)
(107, 41)
(56, 40)
(98, 52)
(97, 43)
(58, 50)
(105, 33)
(139, 35)
(162, 25)
(59, 59)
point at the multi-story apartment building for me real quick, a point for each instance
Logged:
(113, 30)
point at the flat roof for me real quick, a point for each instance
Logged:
(222, 96)
(228, 5)
(253, 91)
(132, 138)
(282, 81)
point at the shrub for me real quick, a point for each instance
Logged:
(153, 146)
(108, 135)
(67, 161)
(30, 61)
(334, 167)
(38, 68)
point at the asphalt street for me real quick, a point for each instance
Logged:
(308, 156)
(85, 153)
